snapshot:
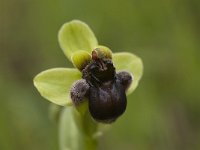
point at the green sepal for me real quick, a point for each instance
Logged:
(74, 36)
(55, 84)
(80, 59)
(131, 63)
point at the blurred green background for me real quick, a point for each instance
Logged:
(162, 114)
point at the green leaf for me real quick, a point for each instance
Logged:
(54, 84)
(80, 59)
(74, 36)
(69, 135)
(74, 130)
(131, 63)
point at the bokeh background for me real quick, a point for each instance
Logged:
(162, 114)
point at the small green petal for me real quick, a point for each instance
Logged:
(131, 63)
(80, 59)
(54, 84)
(104, 51)
(76, 35)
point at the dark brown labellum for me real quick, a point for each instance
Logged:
(107, 98)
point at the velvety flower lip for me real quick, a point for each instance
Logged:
(77, 41)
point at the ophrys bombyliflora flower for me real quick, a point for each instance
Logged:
(80, 45)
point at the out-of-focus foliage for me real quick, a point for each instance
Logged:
(162, 114)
